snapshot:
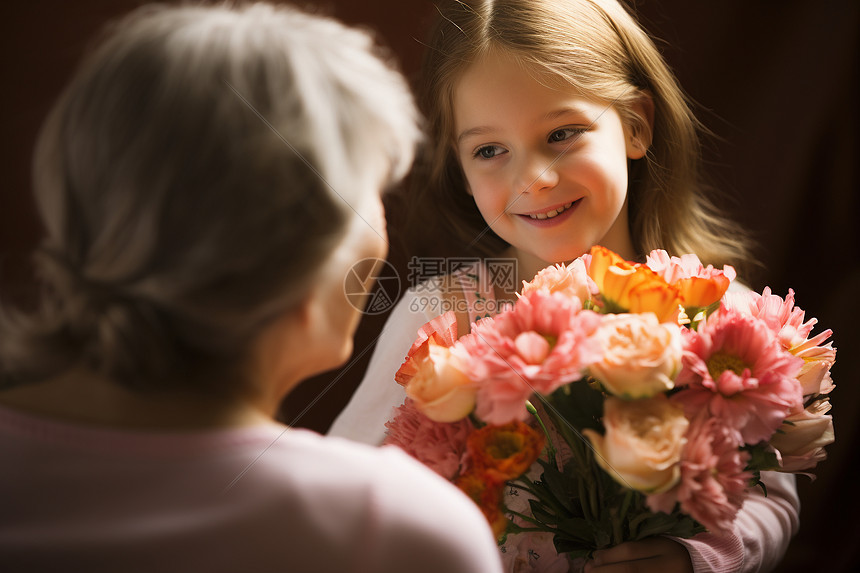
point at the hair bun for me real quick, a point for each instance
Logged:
(111, 332)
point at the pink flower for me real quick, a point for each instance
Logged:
(800, 442)
(570, 280)
(788, 323)
(537, 346)
(713, 480)
(735, 368)
(440, 446)
(700, 286)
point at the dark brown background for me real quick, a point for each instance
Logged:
(776, 81)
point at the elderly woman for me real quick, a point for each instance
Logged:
(206, 182)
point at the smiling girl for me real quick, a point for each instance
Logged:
(556, 126)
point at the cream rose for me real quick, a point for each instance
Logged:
(641, 356)
(801, 441)
(570, 280)
(643, 442)
(440, 389)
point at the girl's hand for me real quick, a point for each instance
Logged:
(656, 554)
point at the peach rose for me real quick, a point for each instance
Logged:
(640, 355)
(801, 441)
(643, 442)
(570, 280)
(439, 387)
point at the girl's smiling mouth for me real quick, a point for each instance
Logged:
(551, 216)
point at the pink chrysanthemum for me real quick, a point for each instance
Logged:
(713, 480)
(788, 323)
(735, 368)
(537, 346)
(439, 446)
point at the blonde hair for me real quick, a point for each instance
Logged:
(193, 178)
(596, 48)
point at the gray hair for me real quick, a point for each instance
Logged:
(193, 178)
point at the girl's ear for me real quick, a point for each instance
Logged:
(640, 130)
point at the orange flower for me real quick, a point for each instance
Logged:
(699, 286)
(630, 287)
(487, 492)
(507, 451)
(701, 292)
(601, 259)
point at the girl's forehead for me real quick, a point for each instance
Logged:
(501, 83)
(501, 70)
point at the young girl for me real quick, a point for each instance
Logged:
(556, 126)
(206, 181)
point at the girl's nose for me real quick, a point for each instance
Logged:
(537, 173)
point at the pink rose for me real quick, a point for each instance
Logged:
(440, 388)
(640, 355)
(801, 441)
(643, 442)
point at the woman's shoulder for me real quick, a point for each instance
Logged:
(331, 471)
(376, 505)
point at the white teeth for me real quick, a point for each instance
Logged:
(551, 214)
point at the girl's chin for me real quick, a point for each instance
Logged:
(530, 263)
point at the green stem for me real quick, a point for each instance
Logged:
(549, 446)
(540, 526)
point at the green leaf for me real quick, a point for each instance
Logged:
(655, 524)
(579, 405)
(541, 512)
(575, 528)
(562, 484)
(762, 457)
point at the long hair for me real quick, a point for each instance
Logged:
(596, 48)
(193, 178)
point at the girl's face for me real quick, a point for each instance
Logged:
(547, 167)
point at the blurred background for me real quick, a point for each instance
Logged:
(776, 82)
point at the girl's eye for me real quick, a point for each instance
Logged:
(560, 135)
(488, 151)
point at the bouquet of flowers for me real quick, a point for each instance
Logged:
(616, 401)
